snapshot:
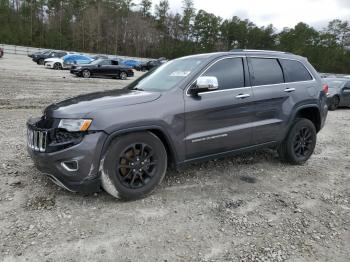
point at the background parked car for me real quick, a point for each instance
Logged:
(67, 61)
(40, 58)
(103, 67)
(132, 63)
(75, 59)
(150, 64)
(38, 53)
(338, 92)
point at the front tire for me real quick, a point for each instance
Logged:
(335, 103)
(41, 61)
(134, 165)
(86, 73)
(300, 142)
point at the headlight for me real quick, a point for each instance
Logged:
(75, 125)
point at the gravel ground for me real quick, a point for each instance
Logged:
(246, 208)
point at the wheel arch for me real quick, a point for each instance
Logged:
(155, 130)
(311, 112)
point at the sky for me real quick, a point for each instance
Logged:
(280, 13)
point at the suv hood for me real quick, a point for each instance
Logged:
(81, 106)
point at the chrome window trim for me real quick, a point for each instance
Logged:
(249, 56)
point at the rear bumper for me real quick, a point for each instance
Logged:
(85, 178)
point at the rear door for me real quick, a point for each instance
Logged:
(114, 68)
(220, 120)
(278, 85)
(269, 96)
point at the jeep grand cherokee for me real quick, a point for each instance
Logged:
(190, 109)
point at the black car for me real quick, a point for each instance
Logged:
(102, 67)
(192, 109)
(40, 58)
(339, 92)
(150, 64)
(38, 53)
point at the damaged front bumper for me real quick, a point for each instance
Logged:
(76, 167)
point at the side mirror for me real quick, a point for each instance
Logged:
(204, 84)
(98, 65)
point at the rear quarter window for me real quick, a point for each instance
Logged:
(295, 71)
(266, 71)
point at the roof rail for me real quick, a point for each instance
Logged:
(256, 50)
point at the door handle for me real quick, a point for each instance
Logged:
(242, 96)
(288, 90)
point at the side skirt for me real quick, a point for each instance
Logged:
(187, 162)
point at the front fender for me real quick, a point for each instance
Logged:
(150, 128)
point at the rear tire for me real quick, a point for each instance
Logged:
(134, 165)
(334, 104)
(300, 142)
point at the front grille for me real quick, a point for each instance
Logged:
(37, 140)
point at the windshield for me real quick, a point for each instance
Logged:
(334, 83)
(167, 75)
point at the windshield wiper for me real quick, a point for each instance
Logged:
(138, 89)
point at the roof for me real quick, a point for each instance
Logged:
(277, 54)
(337, 78)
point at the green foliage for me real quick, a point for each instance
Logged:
(124, 28)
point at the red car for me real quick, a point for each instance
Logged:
(1, 52)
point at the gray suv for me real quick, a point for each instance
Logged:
(187, 110)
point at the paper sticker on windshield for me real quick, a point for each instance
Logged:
(180, 73)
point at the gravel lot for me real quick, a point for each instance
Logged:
(246, 208)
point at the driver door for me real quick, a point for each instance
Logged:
(103, 67)
(219, 121)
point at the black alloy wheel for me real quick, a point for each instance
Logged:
(303, 142)
(300, 142)
(136, 165)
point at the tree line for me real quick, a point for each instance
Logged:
(125, 28)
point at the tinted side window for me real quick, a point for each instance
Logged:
(105, 62)
(267, 71)
(229, 72)
(295, 71)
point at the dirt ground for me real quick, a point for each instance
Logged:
(246, 208)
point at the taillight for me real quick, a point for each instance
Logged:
(325, 88)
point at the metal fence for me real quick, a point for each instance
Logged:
(25, 50)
